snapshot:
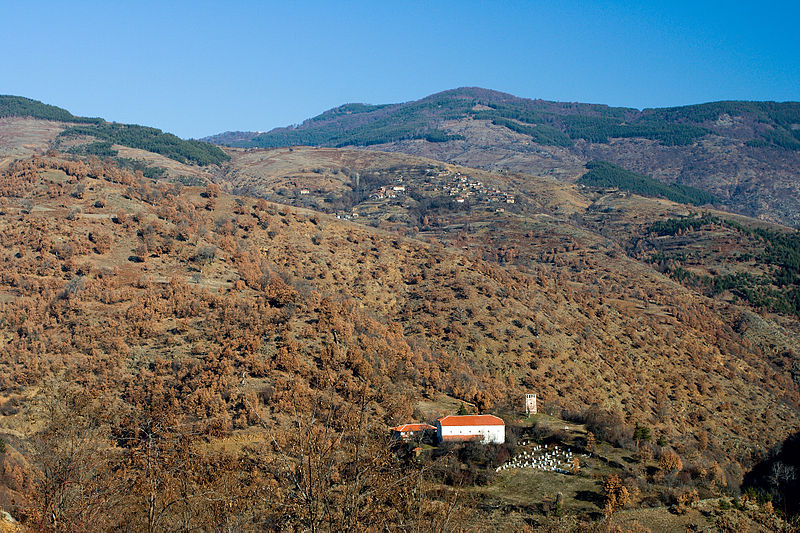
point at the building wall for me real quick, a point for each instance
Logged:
(491, 434)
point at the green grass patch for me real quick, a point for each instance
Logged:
(538, 489)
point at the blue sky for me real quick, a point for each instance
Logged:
(198, 68)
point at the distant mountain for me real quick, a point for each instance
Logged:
(546, 123)
(746, 154)
(232, 138)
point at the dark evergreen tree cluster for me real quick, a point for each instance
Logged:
(383, 131)
(548, 123)
(782, 251)
(541, 133)
(18, 106)
(600, 129)
(562, 129)
(439, 136)
(673, 226)
(593, 123)
(347, 110)
(99, 149)
(787, 139)
(152, 140)
(604, 174)
(777, 291)
(776, 121)
(368, 125)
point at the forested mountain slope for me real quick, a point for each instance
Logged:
(746, 154)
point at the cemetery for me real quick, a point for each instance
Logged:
(552, 458)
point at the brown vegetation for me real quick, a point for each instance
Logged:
(226, 362)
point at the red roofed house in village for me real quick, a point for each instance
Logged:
(483, 428)
(408, 431)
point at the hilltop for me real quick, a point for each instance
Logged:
(745, 154)
(93, 136)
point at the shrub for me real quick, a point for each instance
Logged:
(205, 255)
(615, 493)
(670, 461)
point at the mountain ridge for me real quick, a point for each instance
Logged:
(480, 96)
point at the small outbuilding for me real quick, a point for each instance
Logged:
(486, 429)
(410, 431)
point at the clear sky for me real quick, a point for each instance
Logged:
(197, 68)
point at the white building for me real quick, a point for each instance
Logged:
(484, 428)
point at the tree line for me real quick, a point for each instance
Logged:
(152, 140)
(18, 106)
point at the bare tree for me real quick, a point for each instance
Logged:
(338, 469)
(69, 451)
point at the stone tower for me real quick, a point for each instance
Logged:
(530, 404)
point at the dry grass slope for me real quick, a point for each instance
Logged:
(241, 313)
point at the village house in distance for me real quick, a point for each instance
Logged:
(486, 429)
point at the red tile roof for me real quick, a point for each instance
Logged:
(412, 427)
(471, 420)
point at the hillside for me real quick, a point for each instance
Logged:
(236, 317)
(441, 202)
(546, 123)
(213, 327)
(95, 136)
(745, 154)
(547, 223)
